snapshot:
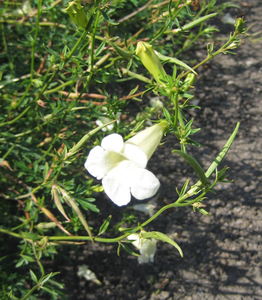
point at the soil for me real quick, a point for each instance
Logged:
(222, 251)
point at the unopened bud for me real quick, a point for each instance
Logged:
(151, 61)
(240, 25)
(189, 81)
(77, 14)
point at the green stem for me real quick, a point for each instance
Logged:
(2, 230)
(135, 75)
(93, 41)
(60, 87)
(174, 99)
(29, 293)
(17, 118)
(42, 270)
(39, 11)
(211, 55)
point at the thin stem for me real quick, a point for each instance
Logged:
(17, 118)
(93, 41)
(39, 11)
(174, 99)
(222, 49)
(42, 270)
(29, 293)
(135, 75)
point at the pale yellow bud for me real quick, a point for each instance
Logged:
(151, 61)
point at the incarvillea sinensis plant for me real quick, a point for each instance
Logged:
(70, 142)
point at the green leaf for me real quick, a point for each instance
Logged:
(33, 276)
(108, 19)
(167, 115)
(194, 164)
(72, 202)
(176, 62)
(163, 238)
(197, 21)
(105, 225)
(223, 152)
(83, 140)
(128, 249)
(183, 189)
(46, 277)
(88, 206)
(203, 211)
(30, 236)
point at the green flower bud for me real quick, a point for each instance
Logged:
(151, 61)
(240, 25)
(77, 14)
(189, 81)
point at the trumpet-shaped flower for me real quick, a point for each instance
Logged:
(146, 247)
(122, 165)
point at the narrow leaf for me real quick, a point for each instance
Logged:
(175, 61)
(33, 276)
(77, 210)
(84, 139)
(54, 219)
(197, 22)
(162, 237)
(57, 200)
(194, 164)
(105, 225)
(129, 250)
(223, 152)
(88, 206)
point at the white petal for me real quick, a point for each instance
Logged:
(144, 184)
(147, 207)
(135, 154)
(147, 251)
(136, 241)
(95, 162)
(116, 184)
(113, 142)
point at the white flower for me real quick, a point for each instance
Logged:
(156, 103)
(146, 247)
(84, 271)
(147, 208)
(103, 120)
(121, 165)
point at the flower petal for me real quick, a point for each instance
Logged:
(135, 154)
(96, 162)
(144, 184)
(116, 184)
(136, 241)
(113, 142)
(147, 251)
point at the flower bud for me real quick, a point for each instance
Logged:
(151, 61)
(146, 247)
(189, 81)
(77, 14)
(240, 25)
